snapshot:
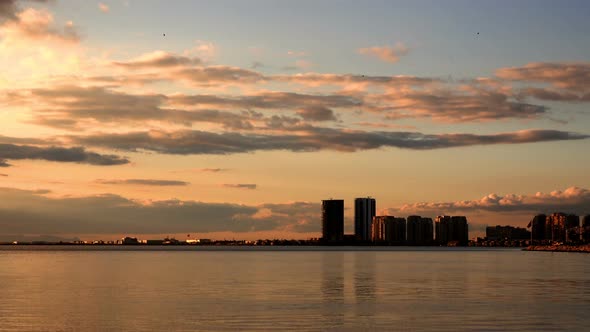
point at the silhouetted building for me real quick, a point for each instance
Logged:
(502, 233)
(129, 240)
(538, 228)
(586, 228)
(561, 227)
(419, 230)
(333, 220)
(572, 228)
(364, 211)
(452, 230)
(389, 229)
(442, 225)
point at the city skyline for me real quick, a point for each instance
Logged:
(235, 120)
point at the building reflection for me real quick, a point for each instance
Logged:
(365, 286)
(333, 306)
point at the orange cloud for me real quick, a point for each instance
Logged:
(103, 7)
(37, 25)
(386, 53)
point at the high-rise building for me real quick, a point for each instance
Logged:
(500, 233)
(538, 228)
(442, 229)
(332, 220)
(561, 227)
(364, 211)
(586, 228)
(572, 228)
(389, 229)
(556, 226)
(454, 230)
(419, 230)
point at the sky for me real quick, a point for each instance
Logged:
(234, 119)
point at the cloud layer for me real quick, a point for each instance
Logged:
(30, 212)
(307, 139)
(58, 154)
(144, 182)
(571, 200)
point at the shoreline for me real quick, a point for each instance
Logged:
(560, 248)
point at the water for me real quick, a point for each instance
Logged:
(191, 289)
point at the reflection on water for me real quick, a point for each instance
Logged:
(394, 289)
(333, 307)
(364, 287)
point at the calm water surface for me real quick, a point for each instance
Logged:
(293, 289)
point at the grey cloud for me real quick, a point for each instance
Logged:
(571, 76)
(317, 113)
(4, 163)
(144, 182)
(213, 170)
(34, 27)
(206, 76)
(60, 154)
(21, 140)
(256, 65)
(293, 217)
(250, 186)
(315, 79)
(159, 60)
(555, 95)
(271, 100)
(9, 8)
(309, 139)
(72, 104)
(29, 212)
(452, 106)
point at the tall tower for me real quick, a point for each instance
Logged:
(332, 220)
(364, 211)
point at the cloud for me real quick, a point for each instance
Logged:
(386, 53)
(103, 7)
(59, 154)
(158, 59)
(205, 49)
(307, 139)
(443, 105)
(250, 186)
(67, 107)
(207, 76)
(269, 100)
(213, 170)
(317, 113)
(570, 82)
(70, 105)
(202, 170)
(34, 24)
(9, 8)
(296, 53)
(570, 200)
(144, 182)
(555, 95)
(31, 212)
(347, 80)
(571, 76)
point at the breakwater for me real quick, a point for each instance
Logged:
(560, 248)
